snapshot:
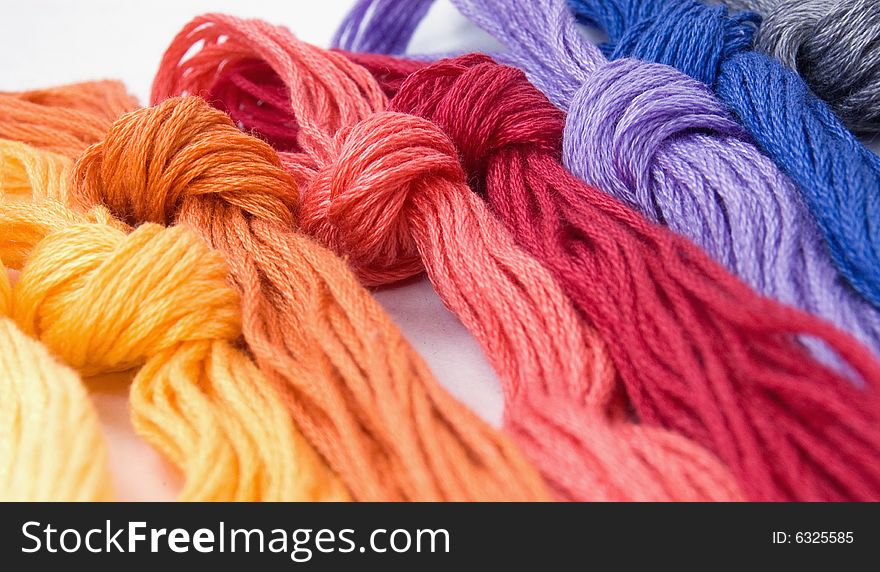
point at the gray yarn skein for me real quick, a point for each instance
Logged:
(834, 45)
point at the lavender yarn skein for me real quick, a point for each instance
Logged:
(661, 142)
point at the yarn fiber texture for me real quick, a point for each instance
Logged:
(387, 191)
(358, 391)
(678, 157)
(839, 184)
(51, 447)
(607, 257)
(838, 177)
(474, 160)
(65, 119)
(832, 44)
(555, 225)
(155, 299)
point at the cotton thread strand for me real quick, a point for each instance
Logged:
(66, 119)
(839, 184)
(661, 305)
(832, 44)
(679, 158)
(51, 446)
(359, 392)
(839, 179)
(473, 151)
(27, 174)
(200, 401)
(388, 193)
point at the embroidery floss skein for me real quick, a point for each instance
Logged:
(773, 103)
(388, 193)
(252, 96)
(103, 300)
(833, 45)
(692, 168)
(698, 350)
(65, 119)
(51, 447)
(538, 205)
(359, 392)
(838, 177)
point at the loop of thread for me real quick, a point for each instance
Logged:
(156, 299)
(358, 391)
(836, 175)
(51, 446)
(654, 296)
(789, 484)
(394, 198)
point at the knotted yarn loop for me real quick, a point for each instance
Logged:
(361, 203)
(88, 310)
(629, 111)
(506, 112)
(155, 158)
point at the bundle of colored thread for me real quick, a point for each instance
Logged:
(156, 299)
(838, 177)
(51, 447)
(66, 119)
(358, 391)
(832, 44)
(252, 97)
(773, 103)
(673, 311)
(387, 192)
(694, 169)
(477, 150)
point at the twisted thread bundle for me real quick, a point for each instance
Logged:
(196, 397)
(673, 275)
(477, 148)
(832, 44)
(51, 447)
(578, 232)
(776, 107)
(401, 206)
(366, 402)
(773, 103)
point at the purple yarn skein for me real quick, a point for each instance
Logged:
(662, 142)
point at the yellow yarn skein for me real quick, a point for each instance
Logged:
(25, 170)
(157, 298)
(51, 446)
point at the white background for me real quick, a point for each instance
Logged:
(50, 42)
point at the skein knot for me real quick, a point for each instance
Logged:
(364, 204)
(485, 108)
(688, 35)
(103, 300)
(630, 111)
(154, 159)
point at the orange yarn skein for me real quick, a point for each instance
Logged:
(156, 299)
(359, 392)
(387, 191)
(65, 119)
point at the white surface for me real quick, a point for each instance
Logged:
(51, 42)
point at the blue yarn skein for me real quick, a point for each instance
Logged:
(838, 177)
